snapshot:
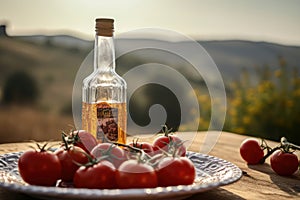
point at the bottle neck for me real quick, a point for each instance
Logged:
(104, 54)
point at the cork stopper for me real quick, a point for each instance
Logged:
(104, 27)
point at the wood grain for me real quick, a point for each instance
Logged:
(258, 181)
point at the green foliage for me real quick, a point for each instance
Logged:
(270, 108)
(266, 105)
(20, 88)
(206, 106)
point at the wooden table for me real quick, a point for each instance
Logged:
(258, 182)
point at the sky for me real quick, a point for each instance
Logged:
(256, 20)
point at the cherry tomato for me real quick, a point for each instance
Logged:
(132, 174)
(251, 151)
(98, 176)
(69, 160)
(284, 164)
(172, 171)
(145, 146)
(114, 154)
(84, 140)
(39, 167)
(169, 143)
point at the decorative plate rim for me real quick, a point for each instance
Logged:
(148, 193)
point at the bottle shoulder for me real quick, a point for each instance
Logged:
(104, 78)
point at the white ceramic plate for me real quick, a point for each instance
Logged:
(212, 172)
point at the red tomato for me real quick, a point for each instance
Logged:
(99, 176)
(132, 174)
(169, 143)
(251, 151)
(145, 146)
(115, 154)
(39, 168)
(84, 140)
(172, 171)
(67, 160)
(284, 164)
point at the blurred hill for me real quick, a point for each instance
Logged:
(230, 56)
(53, 65)
(55, 60)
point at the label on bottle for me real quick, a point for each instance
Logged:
(107, 123)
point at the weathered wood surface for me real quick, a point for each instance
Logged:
(258, 182)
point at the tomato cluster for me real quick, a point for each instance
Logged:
(283, 160)
(81, 162)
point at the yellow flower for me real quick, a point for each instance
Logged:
(204, 99)
(232, 112)
(265, 86)
(278, 73)
(297, 93)
(261, 88)
(289, 103)
(252, 109)
(236, 102)
(239, 130)
(251, 93)
(246, 120)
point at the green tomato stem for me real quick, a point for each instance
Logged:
(262, 161)
(143, 154)
(287, 145)
(284, 146)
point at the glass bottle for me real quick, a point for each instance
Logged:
(104, 92)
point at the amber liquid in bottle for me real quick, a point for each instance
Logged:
(113, 127)
(104, 91)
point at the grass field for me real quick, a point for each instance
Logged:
(54, 69)
(24, 123)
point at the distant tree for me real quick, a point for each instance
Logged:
(49, 42)
(20, 88)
